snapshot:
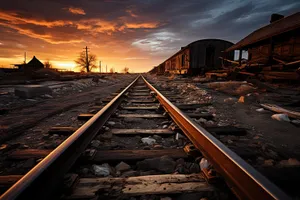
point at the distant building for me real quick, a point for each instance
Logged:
(32, 65)
(275, 43)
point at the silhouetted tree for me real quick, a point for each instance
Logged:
(47, 64)
(111, 70)
(126, 70)
(86, 64)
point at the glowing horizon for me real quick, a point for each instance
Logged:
(135, 34)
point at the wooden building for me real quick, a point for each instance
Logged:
(275, 43)
(32, 65)
(197, 57)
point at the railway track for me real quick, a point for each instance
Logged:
(130, 132)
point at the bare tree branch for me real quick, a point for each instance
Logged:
(86, 64)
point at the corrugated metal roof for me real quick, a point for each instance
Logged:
(283, 25)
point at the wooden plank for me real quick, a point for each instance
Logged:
(139, 94)
(140, 107)
(147, 90)
(143, 101)
(62, 130)
(85, 116)
(141, 131)
(134, 155)
(226, 130)
(97, 107)
(201, 115)
(9, 180)
(141, 116)
(23, 154)
(278, 109)
(145, 104)
(141, 185)
(191, 106)
(139, 97)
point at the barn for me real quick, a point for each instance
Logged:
(198, 57)
(33, 64)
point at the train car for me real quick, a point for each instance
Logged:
(198, 57)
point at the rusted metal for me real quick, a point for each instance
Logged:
(243, 179)
(44, 179)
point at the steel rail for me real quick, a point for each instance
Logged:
(243, 179)
(43, 181)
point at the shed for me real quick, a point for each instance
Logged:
(33, 64)
(278, 41)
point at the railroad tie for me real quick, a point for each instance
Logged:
(140, 185)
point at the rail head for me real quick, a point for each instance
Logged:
(42, 181)
(243, 179)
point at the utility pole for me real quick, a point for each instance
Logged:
(25, 57)
(87, 59)
(106, 68)
(100, 66)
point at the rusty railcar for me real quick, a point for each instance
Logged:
(198, 57)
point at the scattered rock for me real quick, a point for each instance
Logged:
(229, 100)
(281, 117)
(241, 99)
(158, 146)
(194, 168)
(202, 120)
(101, 170)
(130, 173)
(95, 143)
(229, 141)
(165, 123)
(269, 162)
(163, 164)
(111, 123)
(157, 137)
(106, 128)
(122, 166)
(48, 96)
(291, 162)
(165, 126)
(204, 163)
(178, 136)
(260, 110)
(295, 121)
(105, 136)
(148, 140)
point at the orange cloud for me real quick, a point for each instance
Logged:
(142, 25)
(130, 12)
(92, 27)
(46, 37)
(13, 18)
(76, 11)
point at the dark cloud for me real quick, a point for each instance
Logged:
(128, 29)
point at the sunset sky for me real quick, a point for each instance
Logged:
(134, 33)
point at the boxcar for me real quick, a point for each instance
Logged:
(198, 57)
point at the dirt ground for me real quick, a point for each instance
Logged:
(27, 127)
(271, 146)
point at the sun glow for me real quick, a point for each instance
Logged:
(70, 66)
